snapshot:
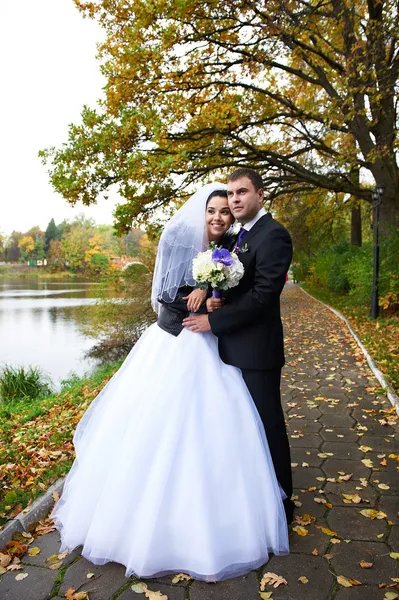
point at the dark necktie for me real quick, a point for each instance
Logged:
(241, 235)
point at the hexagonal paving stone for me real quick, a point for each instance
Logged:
(305, 477)
(109, 578)
(351, 525)
(347, 557)
(335, 491)
(173, 592)
(390, 506)
(314, 540)
(304, 425)
(380, 444)
(292, 567)
(393, 539)
(333, 466)
(312, 440)
(48, 544)
(299, 455)
(240, 588)
(386, 478)
(37, 586)
(344, 450)
(308, 505)
(338, 434)
(330, 421)
(360, 592)
(336, 408)
(304, 412)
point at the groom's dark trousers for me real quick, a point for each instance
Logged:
(250, 333)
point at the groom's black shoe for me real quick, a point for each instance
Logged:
(289, 507)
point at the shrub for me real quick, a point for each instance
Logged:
(17, 383)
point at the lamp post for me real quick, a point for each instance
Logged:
(377, 199)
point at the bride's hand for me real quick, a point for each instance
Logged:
(195, 299)
(214, 303)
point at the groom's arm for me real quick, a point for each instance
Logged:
(273, 259)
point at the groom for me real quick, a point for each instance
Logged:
(248, 326)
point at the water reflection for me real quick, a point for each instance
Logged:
(39, 325)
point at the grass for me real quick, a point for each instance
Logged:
(380, 336)
(36, 439)
(23, 382)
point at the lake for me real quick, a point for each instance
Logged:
(38, 325)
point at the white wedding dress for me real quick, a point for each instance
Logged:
(173, 472)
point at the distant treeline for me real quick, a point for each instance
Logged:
(78, 246)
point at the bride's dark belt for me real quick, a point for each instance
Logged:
(171, 315)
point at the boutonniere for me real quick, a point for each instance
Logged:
(241, 250)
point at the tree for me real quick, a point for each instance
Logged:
(303, 90)
(13, 251)
(27, 247)
(51, 233)
(75, 242)
(55, 256)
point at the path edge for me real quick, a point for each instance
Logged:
(390, 392)
(39, 509)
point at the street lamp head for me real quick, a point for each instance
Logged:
(375, 196)
(380, 187)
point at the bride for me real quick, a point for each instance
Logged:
(173, 471)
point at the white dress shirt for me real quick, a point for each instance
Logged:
(256, 218)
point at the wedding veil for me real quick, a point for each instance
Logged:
(184, 236)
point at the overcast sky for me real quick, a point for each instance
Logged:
(48, 72)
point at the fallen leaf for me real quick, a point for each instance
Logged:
(303, 579)
(21, 576)
(391, 596)
(34, 551)
(368, 463)
(302, 531)
(371, 513)
(394, 555)
(90, 575)
(265, 595)
(365, 449)
(335, 541)
(181, 577)
(5, 559)
(327, 531)
(365, 565)
(272, 579)
(383, 486)
(345, 582)
(315, 552)
(139, 588)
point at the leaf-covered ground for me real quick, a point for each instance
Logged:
(36, 442)
(380, 336)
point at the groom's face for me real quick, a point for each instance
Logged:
(244, 201)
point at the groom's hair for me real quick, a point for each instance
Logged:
(252, 175)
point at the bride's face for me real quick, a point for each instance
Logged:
(218, 218)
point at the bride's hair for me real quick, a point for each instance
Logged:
(216, 194)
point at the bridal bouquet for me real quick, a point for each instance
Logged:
(218, 268)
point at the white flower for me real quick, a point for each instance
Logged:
(216, 274)
(235, 228)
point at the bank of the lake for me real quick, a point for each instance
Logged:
(36, 439)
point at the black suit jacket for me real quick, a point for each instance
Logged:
(248, 326)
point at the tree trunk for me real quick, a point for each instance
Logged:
(356, 225)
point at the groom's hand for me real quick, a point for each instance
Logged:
(197, 323)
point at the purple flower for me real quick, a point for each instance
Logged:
(222, 256)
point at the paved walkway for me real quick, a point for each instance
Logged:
(345, 460)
